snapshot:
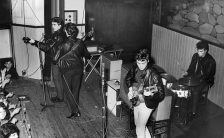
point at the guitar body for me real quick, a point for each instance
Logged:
(138, 95)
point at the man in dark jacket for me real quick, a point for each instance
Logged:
(50, 46)
(69, 58)
(146, 86)
(202, 67)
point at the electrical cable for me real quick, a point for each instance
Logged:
(28, 75)
(25, 32)
(24, 28)
(87, 113)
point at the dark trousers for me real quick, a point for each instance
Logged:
(57, 79)
(196, 94)
(71, 85)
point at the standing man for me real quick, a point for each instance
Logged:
(145, 91)
(70, 61)
(51, 45)
(203, 67)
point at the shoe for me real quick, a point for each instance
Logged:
(74, 115)
(56, 100)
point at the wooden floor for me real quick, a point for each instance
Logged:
(52, 123)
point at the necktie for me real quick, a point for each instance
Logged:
(198, 71)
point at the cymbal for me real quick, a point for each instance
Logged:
(189, 81)
(168, 77)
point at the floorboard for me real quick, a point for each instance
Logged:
(52, 122)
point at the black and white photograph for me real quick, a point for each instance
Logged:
(111, 69)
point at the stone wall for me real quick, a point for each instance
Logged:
(201, 18)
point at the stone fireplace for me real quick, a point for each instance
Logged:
(201, 18)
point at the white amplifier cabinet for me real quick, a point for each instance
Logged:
(112, 72)
(112, 67)
(113, 100)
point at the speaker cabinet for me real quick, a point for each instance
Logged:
(112, 67)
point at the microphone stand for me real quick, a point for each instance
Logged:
(44, 84)
(104, 108)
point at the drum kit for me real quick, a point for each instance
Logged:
(181, 86)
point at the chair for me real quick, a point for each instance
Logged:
(159, 122)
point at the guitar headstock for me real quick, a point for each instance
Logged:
(90, 33)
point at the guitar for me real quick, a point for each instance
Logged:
(139, 97)
(88, 35)
(84, 38)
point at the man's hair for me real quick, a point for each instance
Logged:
(71, 29)
(202, 45)
(142, 54)
(58, 20)
(9, 60)
(9, 128)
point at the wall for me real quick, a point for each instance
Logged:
(5, 7)
(200, 18)
(78, 5)
(121, 23)
(5, 43)
(28, 20)
(173, 51)
(27, 56)
(32, 10)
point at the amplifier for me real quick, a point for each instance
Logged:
(112, 67)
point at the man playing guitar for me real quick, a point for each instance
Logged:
(50, 46)
(145, 91)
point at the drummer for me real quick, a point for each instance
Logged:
(203, 67)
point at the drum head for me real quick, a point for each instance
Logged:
(177, 86)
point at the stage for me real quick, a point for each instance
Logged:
(52, 123)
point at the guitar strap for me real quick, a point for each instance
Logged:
(74, 47)
(145, 79)
(146, 76)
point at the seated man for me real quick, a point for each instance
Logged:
(8, 74)
(203, 67)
